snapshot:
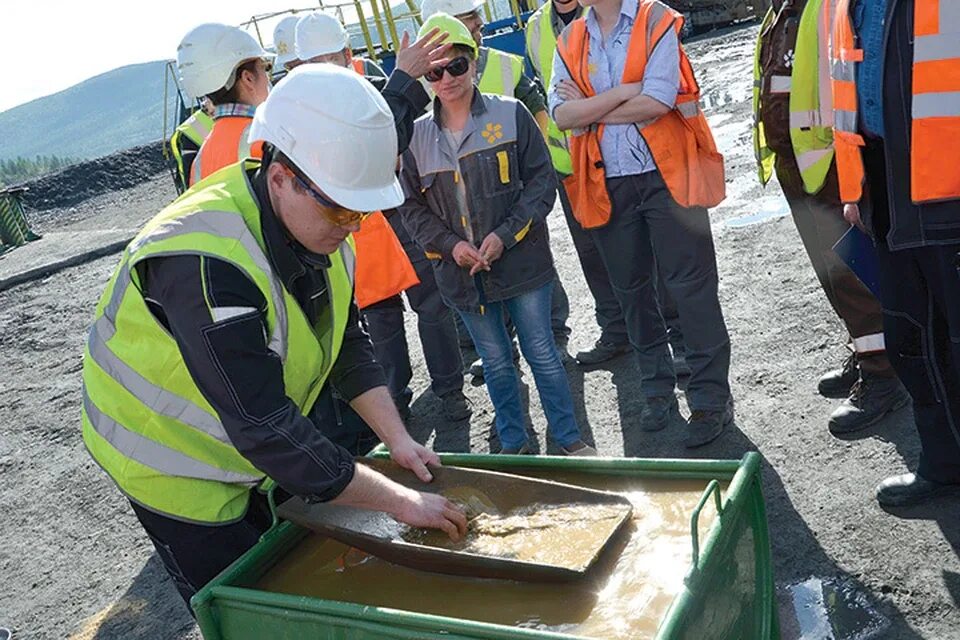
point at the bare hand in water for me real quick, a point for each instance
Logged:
(433, 512)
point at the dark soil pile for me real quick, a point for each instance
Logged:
(82, 181)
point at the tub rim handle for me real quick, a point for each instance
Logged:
(713, 488)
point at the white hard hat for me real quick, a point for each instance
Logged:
(453, 7)
(284, 40)
(338, 130)
(209, 54)
(319, 34)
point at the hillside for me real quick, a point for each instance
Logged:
(116, 110)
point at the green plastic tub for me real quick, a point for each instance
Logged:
(728, 591)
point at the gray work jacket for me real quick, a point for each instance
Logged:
(509, 188)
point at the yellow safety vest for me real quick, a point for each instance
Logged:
(541, 45)
(501, 73)
(144, 419)
(196, 128)
(811, 100)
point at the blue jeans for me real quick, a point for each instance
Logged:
(531, 317)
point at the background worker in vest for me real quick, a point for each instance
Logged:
(479, 184)
(501, 74)
(900, 104)
(229, 66)
(229, 329)
(284, 43)
(643, 223)
(386, 252)
(792, 131)
(187, 138)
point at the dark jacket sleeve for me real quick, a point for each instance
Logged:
(539, 182)
(425, 227)
(407, 99)
(217, 316)
(530, 95)
(356, 370)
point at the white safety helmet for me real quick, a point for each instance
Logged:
(284, 39)
(453, 7)
(338, 130)
(209, 54)
(320, 34)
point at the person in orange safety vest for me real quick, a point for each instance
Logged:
(230, 67)
(645, 167)
(896, 82)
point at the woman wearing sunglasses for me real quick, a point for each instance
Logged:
(479, 183)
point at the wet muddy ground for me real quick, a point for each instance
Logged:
(74, 563)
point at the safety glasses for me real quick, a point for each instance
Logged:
(330, 210)
(456, 67)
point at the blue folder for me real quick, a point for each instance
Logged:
(856, 249)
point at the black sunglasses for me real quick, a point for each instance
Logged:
(456, 67)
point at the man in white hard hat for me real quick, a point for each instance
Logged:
(230, 67)
(501, 74)
(228, 332)
(284, 39)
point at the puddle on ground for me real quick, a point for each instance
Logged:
(828, 609)
(769, 209)
(624, 596)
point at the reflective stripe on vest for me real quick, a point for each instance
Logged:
(501, 73)
(811, 98)
(680, 141)
(846, 140)
(227, 144)
(541, 45)
(144, 420)
(196, 128)
(764, 155)
(935, 129)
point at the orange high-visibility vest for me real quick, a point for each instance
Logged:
(383, 267)
(680, 141)
(843, 80)
(935, 125)
(935, 129)
(227, 144)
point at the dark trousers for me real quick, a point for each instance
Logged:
(820, 223)
(920, 288)
(613, 328)
(437, 329)
(193, 554)
(648, 234)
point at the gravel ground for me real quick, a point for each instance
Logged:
(75, 563)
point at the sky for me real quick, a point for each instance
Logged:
(61, 43)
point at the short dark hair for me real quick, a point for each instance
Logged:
(226, 96)
(271, 154)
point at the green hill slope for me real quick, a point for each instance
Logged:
(116, 110)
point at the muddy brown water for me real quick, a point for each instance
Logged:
(624, 596)
(563, 535)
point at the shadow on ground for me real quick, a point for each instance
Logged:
(151, 608)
